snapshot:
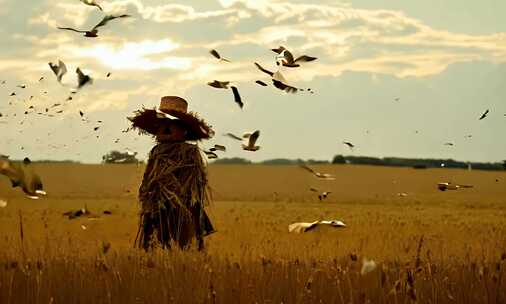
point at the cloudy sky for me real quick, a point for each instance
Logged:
(445, 62)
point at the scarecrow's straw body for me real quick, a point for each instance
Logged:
(173, 194)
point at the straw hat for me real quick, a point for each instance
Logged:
(171, 108)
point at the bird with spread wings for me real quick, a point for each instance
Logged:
(93, 33)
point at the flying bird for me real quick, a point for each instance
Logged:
(284, 87)
(270, 73)
(449, 144)
(92, 3)
(93, 33)
(319, 175)
(484, 115)
(285, 58)
(277, 80)
(305, 227)
(252, 139)
(226, 85)
(82, 79)
(21, 86)
(59, 70)
(210, 154)
(450, 186)
(237, 97)
(233, 136)
(108, 75)
(219, 84)
(321, 195)
(217, 55)
(22, 175)
(349, 144)
(218, 148)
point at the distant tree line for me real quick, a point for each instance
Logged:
(373, 161)
(276, 161)
(49, 161)
(416, 162)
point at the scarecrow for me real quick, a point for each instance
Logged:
(174, 189)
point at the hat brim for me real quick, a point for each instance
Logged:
(149, 121)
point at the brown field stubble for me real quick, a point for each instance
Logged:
(430, 246)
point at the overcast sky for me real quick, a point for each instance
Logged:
(445, 62)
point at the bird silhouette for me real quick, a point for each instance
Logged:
(218, 148)
(233, 136)
(349, 144)
(278, 80)
(92, 3)
(93, 33)
(252, 139)
(23, 176)
(484, 115)
(210, 154)
(321, 194)
(286, 58)
(451, 186)
(59, 70)
(82, 79)
(319, 175)
(305, 227)
(226, 85)
(261, 83)
(217, 55)
(284, 87)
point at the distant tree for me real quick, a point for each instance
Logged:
(279, 161)
(316, 162)
(339, 159)
(232, 161)
(415, 163)
(51, 161)
(117, 157)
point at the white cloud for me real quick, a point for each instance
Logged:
(339, 34)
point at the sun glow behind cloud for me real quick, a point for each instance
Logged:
(134, 55)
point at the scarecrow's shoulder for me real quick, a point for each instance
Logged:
(183, 147)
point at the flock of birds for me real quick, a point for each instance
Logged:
(60, 71)
(285, 58)
(22, 174)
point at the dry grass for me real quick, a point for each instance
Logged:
(253, 258)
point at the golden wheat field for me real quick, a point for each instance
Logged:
(429, 246)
